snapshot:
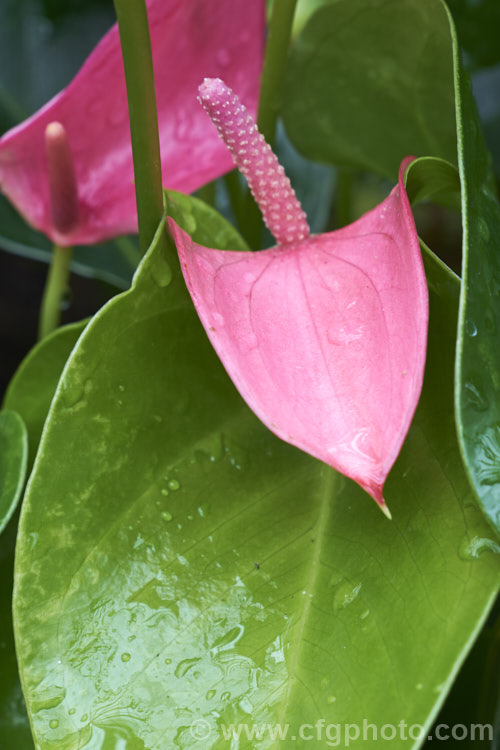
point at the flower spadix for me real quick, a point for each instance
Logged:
(324, 336)
(188, 37)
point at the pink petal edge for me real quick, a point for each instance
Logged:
(325, 339)
(190, 39)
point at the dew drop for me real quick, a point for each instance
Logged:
(203, 509)
(225, 696)
(117, 117)
(483, 230)
(470, 328)
(168, 661)
(473, 548)
(121, 388)
(210, 694)
(173, 484)
(345, 593)
(223, 57)
(185, 665)
(218, 319)
(53, 723)
(331, 699)
(72, 711)
(72, 394)
(125, 656)
(166, 516)
(84, 717)
(49, 698)
(475, 397)
(164, 492)
(161, 272)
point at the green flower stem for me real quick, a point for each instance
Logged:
(273, 74)
(138, 62)
(55, 289)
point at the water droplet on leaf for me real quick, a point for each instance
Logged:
(161, 272)
(345, 593)
(473, 548)
(470, 328)
(185, 665)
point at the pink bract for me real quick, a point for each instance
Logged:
(325, 338)
(190, 38)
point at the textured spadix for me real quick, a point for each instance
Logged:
(325, 338)
(189, 38)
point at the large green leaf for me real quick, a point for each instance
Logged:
(30, 392)
(478, 352)
(13, 463)
(177, 562)
(370, 82)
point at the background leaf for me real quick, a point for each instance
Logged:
(193, 566)
(478, 354)
(32, 388)
(371, 82)
(112, 262)
(14, 724)
(428, 178)
(13, 463)
(477, 25)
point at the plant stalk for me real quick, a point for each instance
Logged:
(273, 74)
(56, 287)
(138, 62)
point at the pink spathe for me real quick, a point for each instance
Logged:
(190, 38)
(325, 338)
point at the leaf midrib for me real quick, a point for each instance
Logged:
(328, 480)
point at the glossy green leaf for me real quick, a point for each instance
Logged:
(370, 82)
(202, 222)
(478, 352)
(30, 392)
(192, 567)
(13, 463)
(32, 388)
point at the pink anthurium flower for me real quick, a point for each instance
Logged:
(324, 336)
(188, 38)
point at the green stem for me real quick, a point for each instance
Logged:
(138, 62)
(56, 287)
(273, 74)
